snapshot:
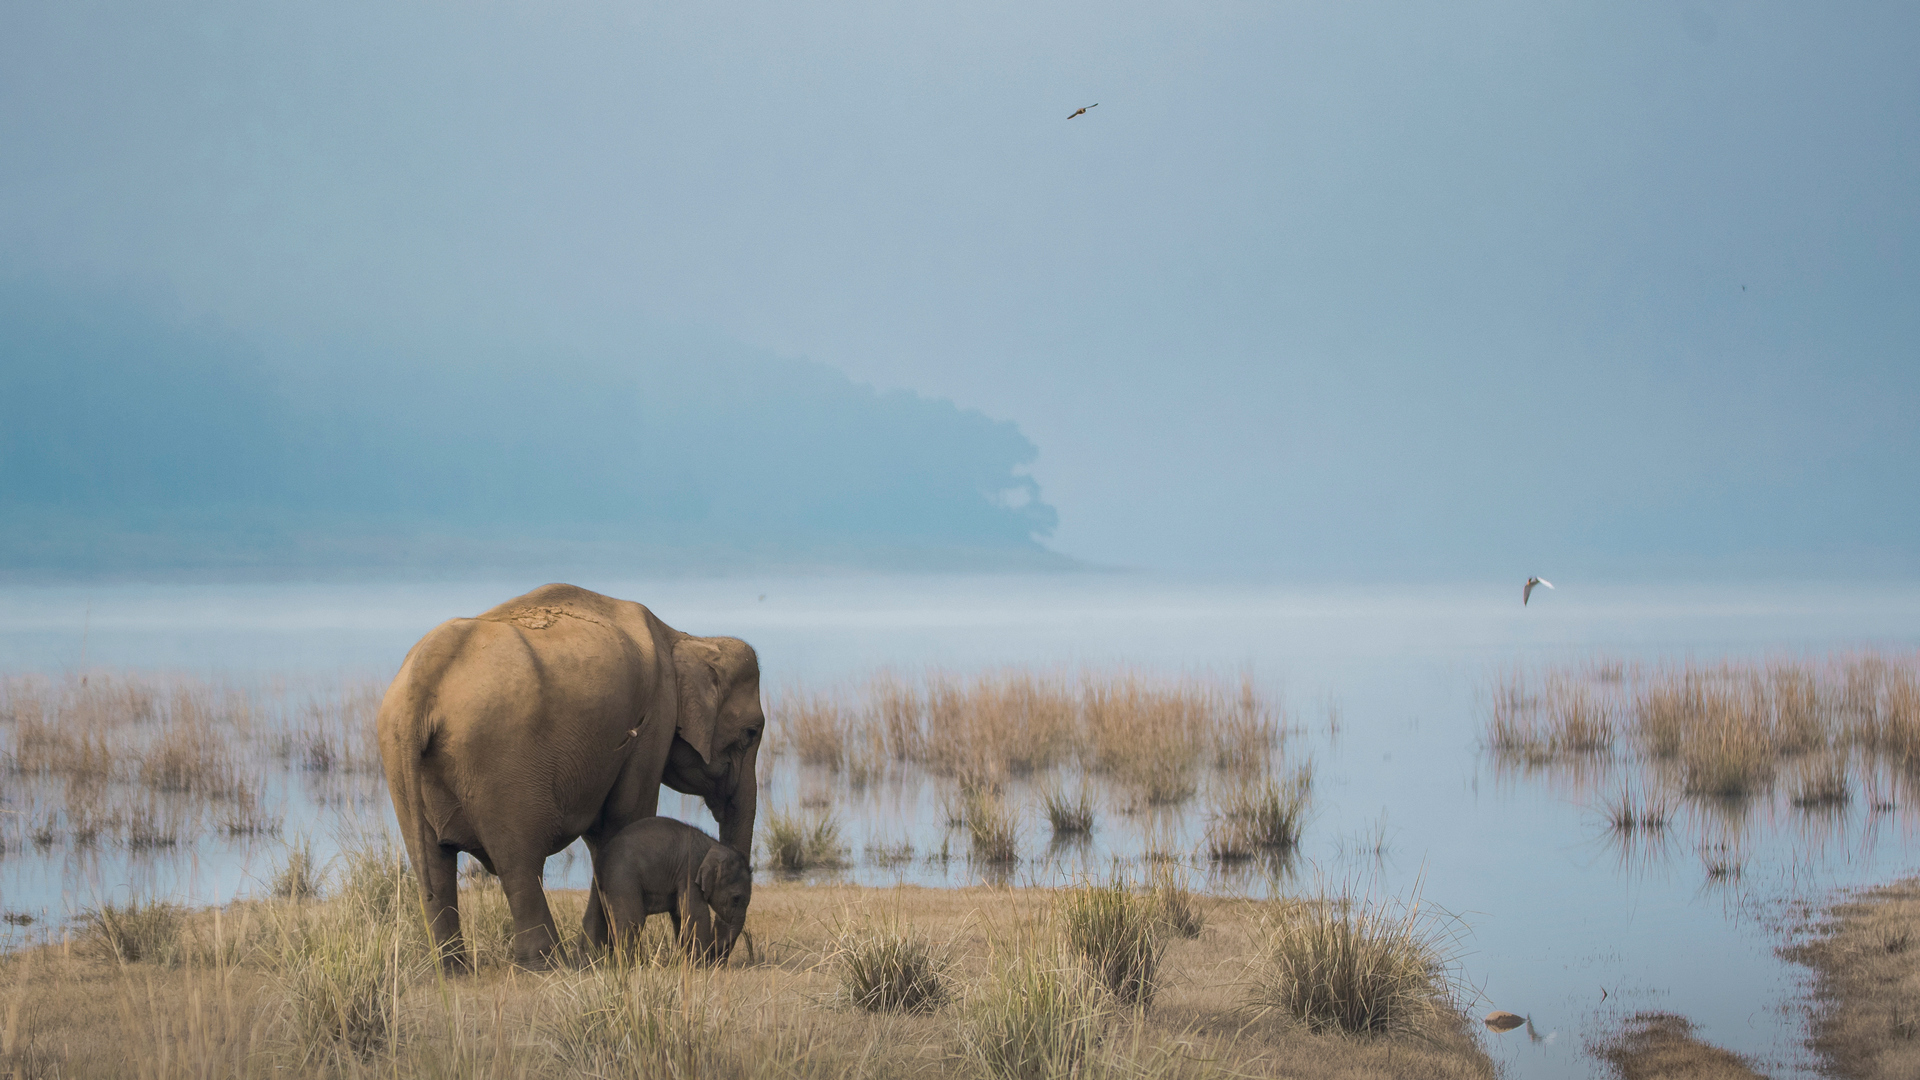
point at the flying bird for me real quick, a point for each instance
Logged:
(1077, 112)
(1526, 594)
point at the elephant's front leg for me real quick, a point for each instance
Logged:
(593, 925)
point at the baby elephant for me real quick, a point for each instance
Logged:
(658, 864)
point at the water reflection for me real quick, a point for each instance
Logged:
(1718, 760)
(168, 785)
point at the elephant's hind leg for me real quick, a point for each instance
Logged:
(535, 938)
(440, 895)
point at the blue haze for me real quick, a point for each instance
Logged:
(1320, 289)
(129, 443)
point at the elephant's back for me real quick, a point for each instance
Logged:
(549, 603)
(535, 690)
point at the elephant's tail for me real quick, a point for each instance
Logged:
(405, 716)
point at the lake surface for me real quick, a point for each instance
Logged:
(1384, 689)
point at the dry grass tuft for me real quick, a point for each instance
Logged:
(1347, 965)
(815, 727)
(1822, 784)
(992, 835)
(795, 844)
(156, 762)
(298, 878)
(341, 967)
(1251, 818)
(613, 1020)
(141, 932)
(1627, 812)
(888, 967)
(1115, 932)
(1727, 731)
(1175, 905)
(1070, 815)
(1038, 1017)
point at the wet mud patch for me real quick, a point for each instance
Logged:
(1662, 1046)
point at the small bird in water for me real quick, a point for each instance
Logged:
(1077, 112)
(1527, 593)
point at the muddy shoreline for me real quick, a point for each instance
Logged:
(1864, 952)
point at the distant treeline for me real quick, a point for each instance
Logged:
(130, 440)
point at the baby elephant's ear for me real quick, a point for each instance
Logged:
(711, 867)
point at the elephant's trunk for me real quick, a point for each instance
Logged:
(735, 813)
(726, 934)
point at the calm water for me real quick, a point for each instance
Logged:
(1385, 687)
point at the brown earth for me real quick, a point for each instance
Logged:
(68, 1010)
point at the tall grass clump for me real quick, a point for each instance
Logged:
(1039, 1016)
(140, 932)
(998, 724)
(795, 844)
(1175, 905)
(623, 1020)
(815, 727)
(375, 880)
(1341, 964)
(1822, 783)
(1579, 721)
(991, 834)
(340, 976)
(1154, 737)
(333, 730)
(896, 707)
(1115, 933)
(1149, 737)
(1724, 758)
(1069, 814)
(1246, 730)
(1513, 725)
(1627, 812)
(885, 967)
(1728, 725)
(1265, 816)
(298, 878)
(341, 965)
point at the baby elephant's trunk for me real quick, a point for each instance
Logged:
(727, 934)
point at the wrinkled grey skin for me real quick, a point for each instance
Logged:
(659, 864)
(556, 716)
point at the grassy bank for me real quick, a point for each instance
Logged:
(834, 981)
(1865, 957)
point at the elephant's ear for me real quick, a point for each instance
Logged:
(699, 695)
(696, 923)
(707, 878)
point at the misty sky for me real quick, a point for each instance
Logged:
(1318, 287)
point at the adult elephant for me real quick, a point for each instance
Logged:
(556, 716)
